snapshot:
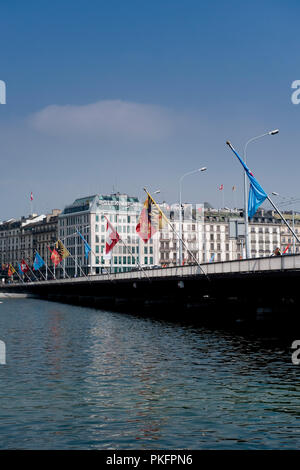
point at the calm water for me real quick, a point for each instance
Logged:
(87, 379)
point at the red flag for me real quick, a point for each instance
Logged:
(221, 187)
(112, 237)
(55, 257)
(24, 266)
(31, 196)
(286, 249)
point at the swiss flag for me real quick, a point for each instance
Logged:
(286, 249)
(24, 266)
(221, 187)
(31, 196)
(112, 237)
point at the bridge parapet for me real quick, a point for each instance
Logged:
(253, 265)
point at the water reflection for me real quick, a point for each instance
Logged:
(82, 378)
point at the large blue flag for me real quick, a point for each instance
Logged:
(38, 262)
(87, 247)
(256, 193)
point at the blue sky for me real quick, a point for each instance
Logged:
(119, 95)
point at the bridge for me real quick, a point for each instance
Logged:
(229, 292)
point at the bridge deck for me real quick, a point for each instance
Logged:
(251, 266)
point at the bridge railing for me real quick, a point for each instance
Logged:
(275, 263)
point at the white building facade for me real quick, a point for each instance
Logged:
(87, 215)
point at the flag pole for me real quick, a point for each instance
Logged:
(76, 269)
(234, 197)
(32, 272)
(176, 233)
(128, 249)
(78, 266)
(64, 259)
(19, 274)
(47, 267)
(91, 251)
(84, 242)
(30, 280)
(138, 263)
(42, 274)
(284, 220)
(30, 269)
(40, 268)
(52, 274)
(31, 203)
(266, 196)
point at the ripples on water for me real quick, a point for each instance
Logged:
(81, 378)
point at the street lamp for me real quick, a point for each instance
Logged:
(275, 131)
(180, 208)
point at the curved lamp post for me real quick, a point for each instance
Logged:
(180, 208)
(275, 131)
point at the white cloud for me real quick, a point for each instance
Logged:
(109, 119)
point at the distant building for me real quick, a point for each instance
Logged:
(20, 239)
(40, 234)
(87, 215)
(192, 235)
